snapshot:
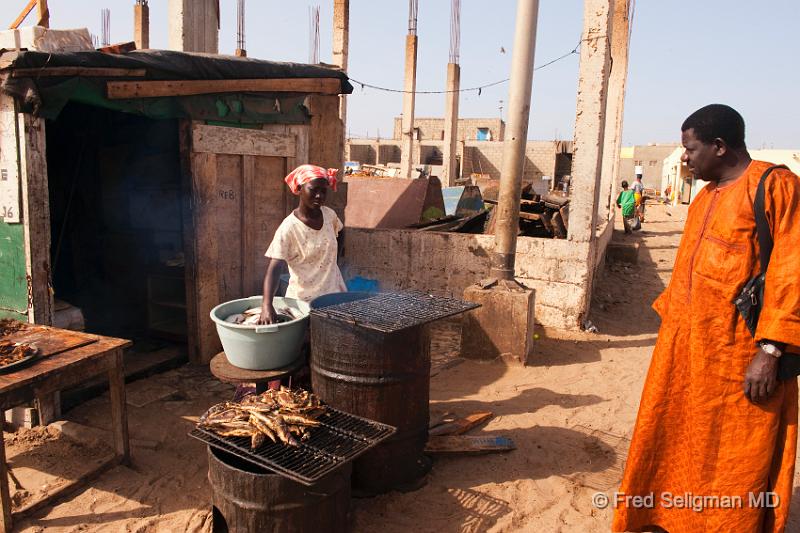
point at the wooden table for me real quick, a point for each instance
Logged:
(68, 359)
(224, 371)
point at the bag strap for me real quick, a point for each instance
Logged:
(763, 233)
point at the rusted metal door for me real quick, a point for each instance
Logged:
(237, 201)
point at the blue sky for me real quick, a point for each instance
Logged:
(684, 54)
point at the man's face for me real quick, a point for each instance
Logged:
(701, 158)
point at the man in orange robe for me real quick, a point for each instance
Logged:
(717, 431)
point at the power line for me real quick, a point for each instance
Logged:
(478, 88)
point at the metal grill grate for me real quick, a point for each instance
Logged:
(340, 437)
(389, 312)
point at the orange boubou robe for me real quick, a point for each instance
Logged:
(696, 434)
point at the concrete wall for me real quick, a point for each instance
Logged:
(433, 128)
(446, 263)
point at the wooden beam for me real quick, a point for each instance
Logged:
(23, 14)
(44, 14)
(237, 141)
(87, 72)
(154, 89)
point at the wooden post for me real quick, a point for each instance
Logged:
(44, 14)
(36, 219)
(119, 413)
(5, 497)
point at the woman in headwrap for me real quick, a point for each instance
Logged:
(306, 241)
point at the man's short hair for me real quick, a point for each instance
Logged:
(717, 121)
(624, 184)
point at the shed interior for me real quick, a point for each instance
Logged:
(116, 226)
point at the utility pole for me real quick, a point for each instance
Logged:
(516, 137)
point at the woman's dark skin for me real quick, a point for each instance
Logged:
(309, 212)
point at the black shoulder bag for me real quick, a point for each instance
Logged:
(751, 298)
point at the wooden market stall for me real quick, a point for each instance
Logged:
(145, 187)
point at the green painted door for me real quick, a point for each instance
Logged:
(13, 282)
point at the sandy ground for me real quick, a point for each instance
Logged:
(570, 414)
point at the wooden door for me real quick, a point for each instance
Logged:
(237, 201)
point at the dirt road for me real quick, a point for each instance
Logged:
(570, 415)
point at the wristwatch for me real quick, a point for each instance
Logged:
(771, 349)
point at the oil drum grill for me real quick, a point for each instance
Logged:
(389, 312)
(340, 438)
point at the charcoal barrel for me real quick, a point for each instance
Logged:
(380, 376)
(247, 498)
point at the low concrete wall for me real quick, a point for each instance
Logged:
(446, 263)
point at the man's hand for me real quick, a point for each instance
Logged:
(760, 380)
(268, 314)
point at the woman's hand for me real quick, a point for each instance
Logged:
(268, 314)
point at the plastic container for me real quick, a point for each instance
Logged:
(335, 298)
(265, 347)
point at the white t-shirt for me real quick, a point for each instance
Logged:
(310, 254)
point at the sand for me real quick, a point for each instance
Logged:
(570, 415)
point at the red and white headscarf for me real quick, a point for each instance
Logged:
(305, 173)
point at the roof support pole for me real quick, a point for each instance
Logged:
(519, 106)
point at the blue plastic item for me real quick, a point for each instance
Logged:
(338, 298)
(359, 284)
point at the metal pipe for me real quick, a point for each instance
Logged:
(516, 135)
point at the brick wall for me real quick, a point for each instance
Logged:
(364, 153)
(540, 160)
(433, 128)
(446, 263)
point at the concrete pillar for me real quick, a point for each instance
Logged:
(620, 27)
(194, 25)
(141, 25)
(378, 152)
(407, 134)
(341, 45)
(595, 64)
(450, 149)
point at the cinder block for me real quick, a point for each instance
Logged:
(501, 327)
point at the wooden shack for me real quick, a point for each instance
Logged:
(145, 187)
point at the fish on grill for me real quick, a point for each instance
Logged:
(276, 415)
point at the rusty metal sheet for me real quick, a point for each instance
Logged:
(385, 202)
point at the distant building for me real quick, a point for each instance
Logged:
(647, 160)
(479, 151)
(684, 187)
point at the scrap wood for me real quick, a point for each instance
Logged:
(437, 419)
(468, 445)
(461, 425)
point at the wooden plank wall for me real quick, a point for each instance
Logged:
(36, 217)
(238, 202)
